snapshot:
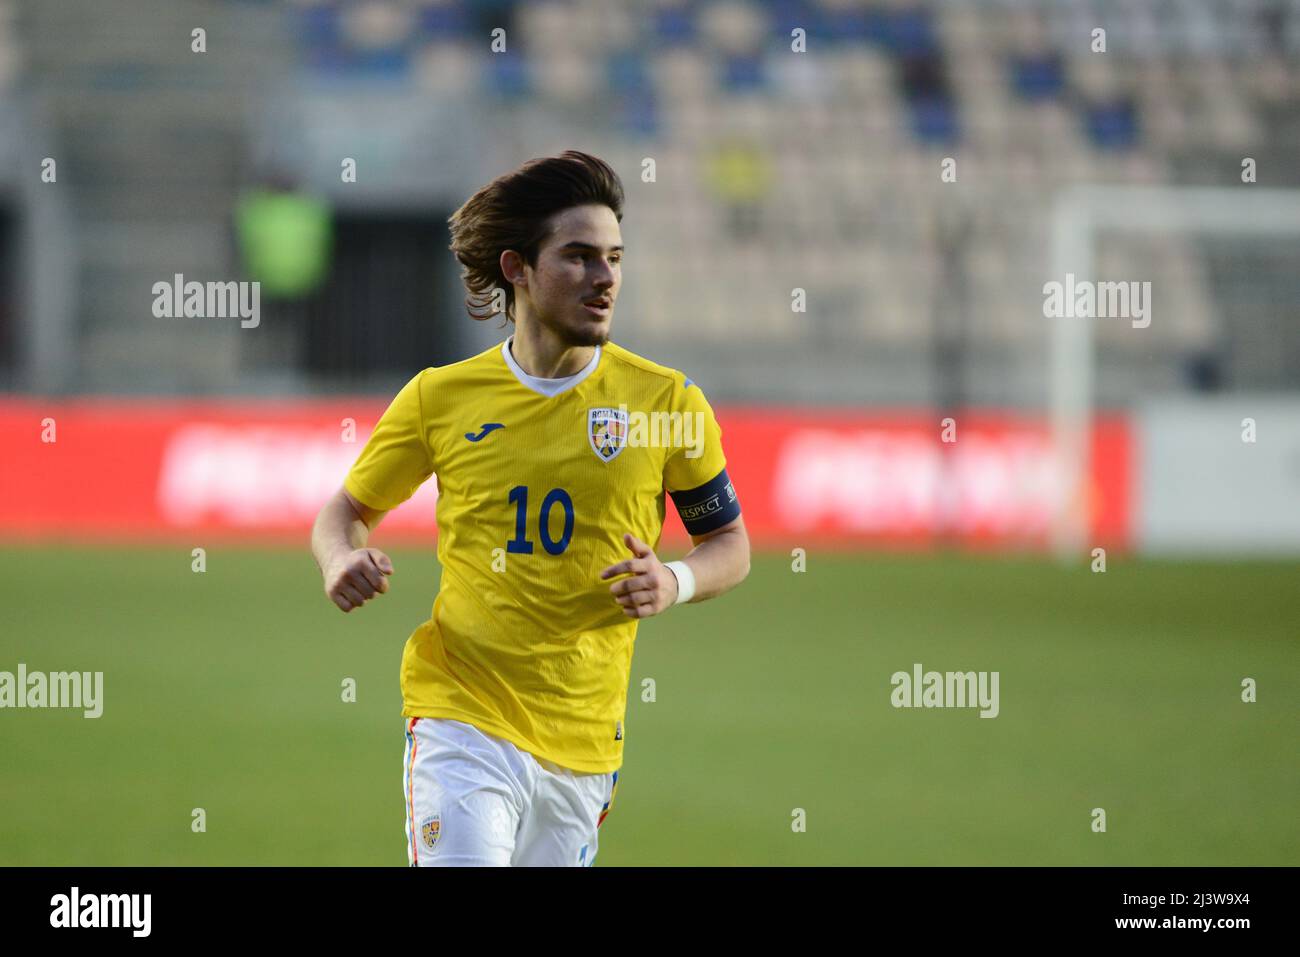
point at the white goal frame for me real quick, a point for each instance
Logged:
(1078, 216)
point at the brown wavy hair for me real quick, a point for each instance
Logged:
(514, 211)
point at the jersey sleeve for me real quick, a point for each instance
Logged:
(396, 459)
(695, 475)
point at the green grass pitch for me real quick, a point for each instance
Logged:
(1120, 690)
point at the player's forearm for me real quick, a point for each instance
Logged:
(338, 530)
(719, 564)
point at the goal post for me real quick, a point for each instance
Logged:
(1079, 216)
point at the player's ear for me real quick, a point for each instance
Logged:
(512, 267)
(508, 263)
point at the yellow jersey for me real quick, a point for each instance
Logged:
(538, 479)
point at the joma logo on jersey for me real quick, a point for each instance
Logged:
(607, 432)
(487, 427)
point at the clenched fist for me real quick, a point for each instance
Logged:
(354, 577)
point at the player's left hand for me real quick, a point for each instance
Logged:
(652, 587)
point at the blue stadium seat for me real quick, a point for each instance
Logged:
(1037, 77)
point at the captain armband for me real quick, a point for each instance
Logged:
(708, 507)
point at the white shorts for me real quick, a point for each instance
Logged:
(474, 800)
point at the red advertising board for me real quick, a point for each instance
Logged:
(260, 470)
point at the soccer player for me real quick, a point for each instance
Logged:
(550, 508)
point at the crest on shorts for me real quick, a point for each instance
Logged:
(430, 828)
(607, 432)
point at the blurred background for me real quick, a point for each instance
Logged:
(841, 220)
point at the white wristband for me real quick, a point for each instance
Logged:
(685, 581)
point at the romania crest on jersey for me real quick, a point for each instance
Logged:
(430, 828)
(607, 432)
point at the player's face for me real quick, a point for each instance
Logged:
(579, 263)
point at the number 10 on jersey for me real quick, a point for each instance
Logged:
(520, 545)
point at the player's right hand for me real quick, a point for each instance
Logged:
(357, 576)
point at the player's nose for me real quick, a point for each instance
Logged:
(603, 275)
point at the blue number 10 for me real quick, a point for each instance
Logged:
(520, 545)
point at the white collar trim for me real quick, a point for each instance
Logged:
(548, 387)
